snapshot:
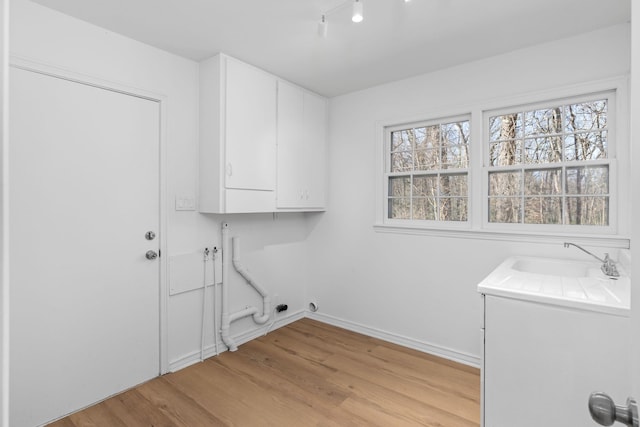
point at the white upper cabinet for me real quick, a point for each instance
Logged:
(237, 137)
(251, 128)
(301, 172)
(262, 141)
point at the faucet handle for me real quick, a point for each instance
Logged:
(609, 266)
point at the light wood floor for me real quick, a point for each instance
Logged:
(305, 374)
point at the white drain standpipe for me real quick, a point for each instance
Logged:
(227, 318)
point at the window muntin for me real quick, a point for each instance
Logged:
(427, 171)
(601, 143)
(550, 165)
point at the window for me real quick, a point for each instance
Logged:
(547, 165)
(550, 164)
(427, 171)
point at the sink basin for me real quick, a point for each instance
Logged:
(564, 282)
(554, 267)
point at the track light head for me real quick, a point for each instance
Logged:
(357, 11)
(322, 27)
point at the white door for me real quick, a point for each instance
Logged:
(84, 191)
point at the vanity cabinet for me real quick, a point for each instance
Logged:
(301, 157)
(237, 137)
(262, 141)
(541, 362)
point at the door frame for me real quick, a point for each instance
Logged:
(635, 198)
(4, 213)
(72, 76)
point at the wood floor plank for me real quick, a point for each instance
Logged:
(307, 349)
(305, 374)
(133, 409)
(408, 386)
(403, 408)
(64, 422)
(96, 416)
(372, 415)
(454, 379)
(179, 408)
(233, 399)
(267, 395)
(451, 377)
(288, 380)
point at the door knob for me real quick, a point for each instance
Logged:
(605, 412)
(151, 255)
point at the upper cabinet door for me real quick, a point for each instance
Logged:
(250, 132)
(315, 142)
(301, 171)
(262, 141)
(290, 146)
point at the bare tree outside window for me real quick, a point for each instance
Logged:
(545, 165)
(428, 172)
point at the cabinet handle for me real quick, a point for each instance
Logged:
(229, 169)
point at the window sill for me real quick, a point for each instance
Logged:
(607, 241)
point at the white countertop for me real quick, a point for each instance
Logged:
(568, 283)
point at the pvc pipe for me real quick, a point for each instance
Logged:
(246, 312)
(224, 328)
(227, 318)
(266, 300)
(215, 303)
(204, 301)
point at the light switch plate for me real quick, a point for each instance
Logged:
(185, 203)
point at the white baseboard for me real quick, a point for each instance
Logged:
(436, 350)
(210, 350)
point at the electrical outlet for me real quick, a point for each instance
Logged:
(281, 307)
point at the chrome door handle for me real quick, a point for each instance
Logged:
(605, 412)
(151, 255)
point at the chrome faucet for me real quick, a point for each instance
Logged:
(608, 265)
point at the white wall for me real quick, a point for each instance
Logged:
(422, 289)
(272, 247)
(355, 274)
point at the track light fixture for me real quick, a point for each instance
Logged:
(357, 15)
(322, 27)
(357, 11)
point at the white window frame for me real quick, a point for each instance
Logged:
(388, 130)
(610, 161)
(478, 227)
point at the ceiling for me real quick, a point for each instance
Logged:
(397, 39)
